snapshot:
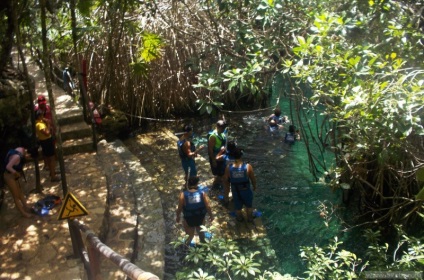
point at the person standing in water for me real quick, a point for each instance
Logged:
(194, 204)
(216, 142)
(240, 175)
(187, 151)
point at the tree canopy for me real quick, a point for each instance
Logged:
(357, 63)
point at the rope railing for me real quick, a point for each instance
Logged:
(90, 256)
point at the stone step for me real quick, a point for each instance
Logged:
(75, 146)
(70, 117)
(75, 131)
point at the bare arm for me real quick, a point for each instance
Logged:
(13, 160)
(225, 178)
(208, 206)
(180, 206)
(252, 176)
(211, 144)
(188, 152)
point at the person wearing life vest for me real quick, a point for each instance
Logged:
(194, 204)
(275, 121)
(239, 175)
(291, 136)
(216, 142)
(187, 152)
(14, 164)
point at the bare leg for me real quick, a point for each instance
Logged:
(249, 213)
(201, 235)
(239, 215)
(17, 194)
(190, 231)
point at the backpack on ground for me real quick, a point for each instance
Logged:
(44, 205)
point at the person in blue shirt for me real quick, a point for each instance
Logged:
(194, 204)
(239, 175)
(187, 152)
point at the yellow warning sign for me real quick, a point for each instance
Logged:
(71, 208)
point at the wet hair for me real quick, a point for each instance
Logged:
(292, 128)
(238, 153)
(188, 128)
(231, 146)
(193, 181)
(277, 112)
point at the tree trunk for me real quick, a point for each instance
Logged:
(47, 74)
(31, 93)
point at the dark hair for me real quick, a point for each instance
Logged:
(188, 128)
(292, 128)
(231, 146)
(193, 181)
(277, 112)
(238, 153)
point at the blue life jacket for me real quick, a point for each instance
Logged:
(228, 158)
(238, 177)
(20, 166)
(180, 144)
(278, 120)
(194, 204)
(289, 138)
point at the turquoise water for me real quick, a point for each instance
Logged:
(287, 195)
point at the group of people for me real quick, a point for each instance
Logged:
(229, 170)
(276, 124)
(15, 158)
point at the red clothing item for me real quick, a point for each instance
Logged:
(47, 115)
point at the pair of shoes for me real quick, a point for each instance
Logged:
(55, 179)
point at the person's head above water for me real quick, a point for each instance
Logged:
(277, 112)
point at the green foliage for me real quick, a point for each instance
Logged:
(152, 47)
(223, 259)
(330, 262)
(370, 92)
